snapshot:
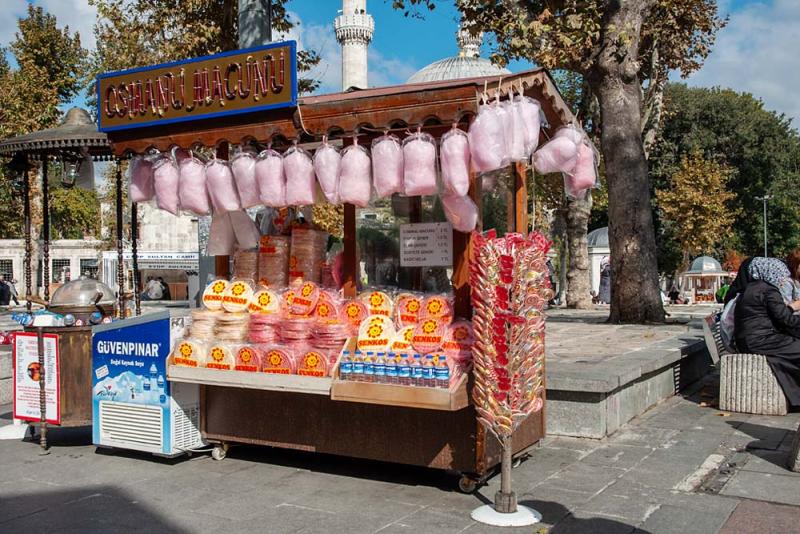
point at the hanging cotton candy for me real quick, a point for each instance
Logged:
(221, 187)
(243, 166)
(192, 189)
(461, 211)
(328, 166)
(387, 166)
(513, 132)
(529, 110)
(165, 181)
(300, 183)
(221, 238)
(487, 140)
(584, 175)
(141, 187)
(419, 165)
(355, 183)
(270, 178)
(454, 154)
(560, 154)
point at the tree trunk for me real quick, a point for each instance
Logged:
(579, 274)
(635, 297)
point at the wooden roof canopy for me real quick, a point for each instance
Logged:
(434, 105)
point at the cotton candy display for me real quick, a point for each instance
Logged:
(487, 140)
(513, 131)
(355, 184)
(387, 166)
(560, 154)
(192, 187)
(221, 187)
(300, 183)
(243, 166)
(583, 175)
(270, 179)
(419, 165)
(141, 180)
(461, 211)
(165, 180)
(244, 229)
(221, 238)
(327, 166)
(529, 110)
(454, 154)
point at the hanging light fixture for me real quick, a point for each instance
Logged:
(70, 168)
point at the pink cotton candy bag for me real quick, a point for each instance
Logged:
(487, 140)
(529, 112)
(328, 166)
(419, 165)
(387, 165)
(165, 181)
(355, 182)
(461, 211)
(192, 190)
(454, 156)
(270, 178)
(243, 166)
(141, 188)
(221, 187)
(560, 154)
(300, 181)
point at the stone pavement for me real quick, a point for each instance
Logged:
(679, 468)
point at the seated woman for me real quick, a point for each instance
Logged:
(765, 322)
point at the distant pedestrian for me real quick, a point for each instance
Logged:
(604, 291)
(12, 287)
(164, 289)
(5, 291)
(153, 290)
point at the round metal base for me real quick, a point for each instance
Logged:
(523, 517)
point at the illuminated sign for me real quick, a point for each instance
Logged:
(240, 81)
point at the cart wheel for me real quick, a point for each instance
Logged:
(219, 452)
(467, 484)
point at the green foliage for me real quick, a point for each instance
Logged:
(760, 147)
(74, 212)
(11, 209)
(134, 33)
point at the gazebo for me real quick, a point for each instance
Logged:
(597, 243)
(703, 278)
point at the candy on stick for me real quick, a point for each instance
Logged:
(270, 178)
(387, 165)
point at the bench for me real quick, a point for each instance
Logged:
(746, 381)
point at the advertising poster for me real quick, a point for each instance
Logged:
(28, 375)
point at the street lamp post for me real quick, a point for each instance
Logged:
(764, 199)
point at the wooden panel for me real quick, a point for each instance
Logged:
(350, 253)
(242, 379)
(520, 198)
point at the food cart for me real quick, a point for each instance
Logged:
(424, 427)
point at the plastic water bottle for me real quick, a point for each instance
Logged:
(358, 367)
(380, 368)
(428, 372)
(369, 367)
(346, 366)
(442, 373)
(391, 369)
(416, 371)
(404, 371)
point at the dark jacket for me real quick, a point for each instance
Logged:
(741, 281)
(5, 294)
(764, 324)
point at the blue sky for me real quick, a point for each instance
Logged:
(757, 52)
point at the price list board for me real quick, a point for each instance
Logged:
(426, 245)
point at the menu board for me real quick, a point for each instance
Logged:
(28, 374)
(426, 245)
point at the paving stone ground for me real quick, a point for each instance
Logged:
(643, 479)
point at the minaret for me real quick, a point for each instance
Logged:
(354, 29)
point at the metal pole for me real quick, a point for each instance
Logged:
(46, 228)
(42, 392)
(764, 200)
(135, 257)
(28, 244)
(120, 264)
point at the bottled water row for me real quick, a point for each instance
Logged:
(395, 368)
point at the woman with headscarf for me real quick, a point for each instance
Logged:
(766, 323)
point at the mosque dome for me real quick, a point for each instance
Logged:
(467, 64)
(598, 238)
(706, 265)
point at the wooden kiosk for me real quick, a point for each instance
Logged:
(442, 432)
